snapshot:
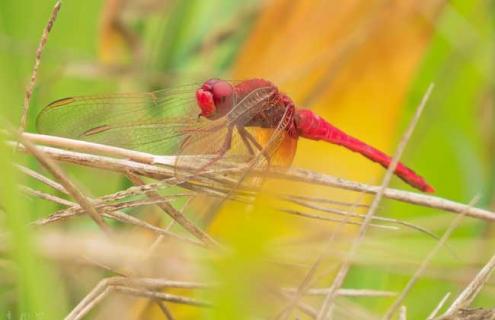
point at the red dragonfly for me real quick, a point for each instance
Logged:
(222, 119)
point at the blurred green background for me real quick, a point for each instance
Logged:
(127, 46)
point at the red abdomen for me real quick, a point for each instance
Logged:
(311, 126)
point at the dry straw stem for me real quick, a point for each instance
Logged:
(75, 210)
(342, 273)
(308, 204)
(370, 293)
(151, 288)
(45, 196)
(166, 171)
(112, 211)
(308, 277)
(471, 291)
(403, 313)
(41, 178)
(439, 306)
(424, 264)
(309, 199)
(176, 215)
(109, 210)
(305, 308)
(145, 260)
(471, 314)
(58, 173)
(126, 285)
(162, 296)
(37, 62)
(322, 218)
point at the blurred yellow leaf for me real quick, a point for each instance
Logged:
(116, 41)
(350, 61)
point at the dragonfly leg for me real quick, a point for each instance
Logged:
(248, 139)
(223, 149)
(247, 142)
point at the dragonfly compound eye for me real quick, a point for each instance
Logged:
(215, 98)
(222, 96)
(221, 90)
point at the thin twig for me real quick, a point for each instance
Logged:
(41, 178)
(91, 147)
(474, 287)
(342, 273)
(37, 61)
(90, 300)
(347, 292)
(362, 216)
(95, 295)
(439, 306)
(162, 296)
(403, 313)
(147, 255)
(123, 217)
(308, 277)
(305, 308)
(100, 206)
(293, 174)
(98, 297)
(424, 264)
(113, 212)
(177, 216)
(103, 207)
(165, 310)
(46, 196)
(342, 221)
(71, 188)
(310, 199)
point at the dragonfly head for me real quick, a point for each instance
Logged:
(215, 98)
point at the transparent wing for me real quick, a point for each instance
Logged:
(278, 147)
(164, 122)
(222, 138)
(153, 122)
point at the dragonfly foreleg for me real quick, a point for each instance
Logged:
(248, 139)
(245, 140)
(227, 143)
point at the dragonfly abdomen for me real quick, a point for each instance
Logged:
(311, 126)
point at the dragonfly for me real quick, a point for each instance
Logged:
(250, 119)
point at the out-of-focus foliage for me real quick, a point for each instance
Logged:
(352, 62)
(363, 65)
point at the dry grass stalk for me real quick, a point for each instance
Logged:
(177, 216)
(403, 313)
(339, 279)
(113, 212)
(68, 185)
(46, 196)
(134, 286)
(344, 221)
(439, 306)
(294, 174)
(347, 292)
(424, 264)
(305, 285)
(37, 62)
(467, 296)
(41, 178)
(301, 305)
(308, 204)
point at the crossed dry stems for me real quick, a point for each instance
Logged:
(216, 183)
